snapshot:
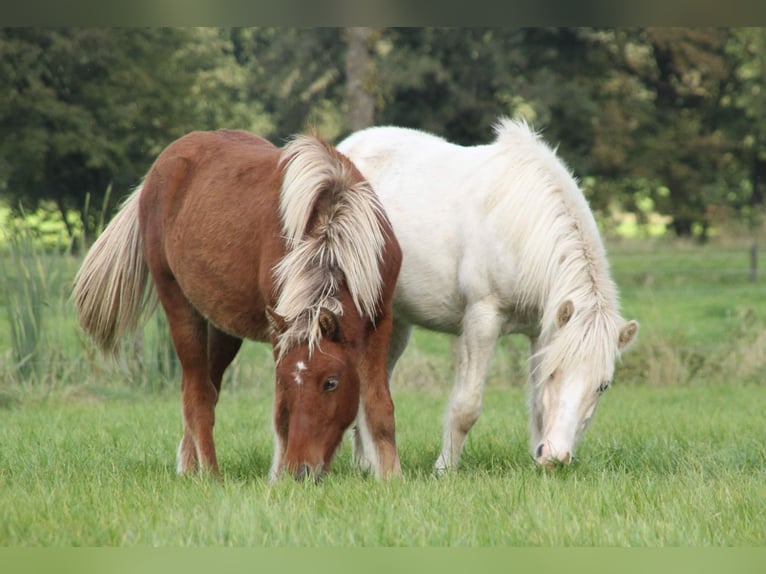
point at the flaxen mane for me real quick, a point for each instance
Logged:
(331, 222)
(566, 261)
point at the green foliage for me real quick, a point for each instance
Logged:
(295, 74)
(673, 115)
(86, 108)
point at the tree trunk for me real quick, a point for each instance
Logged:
(756, 202)
(361, 103)
(73, 246)
(754, 260)
(682, 226)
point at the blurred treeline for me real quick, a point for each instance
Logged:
(668, 121)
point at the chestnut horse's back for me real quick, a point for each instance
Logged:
(210, 222)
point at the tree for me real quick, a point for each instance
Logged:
(296, 75)
(669, 118)
(748, 49)
(359, 79)
(453, 82)
(664, 123)
(86, 109)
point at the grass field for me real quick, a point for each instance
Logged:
(678, 467)
(676, 455)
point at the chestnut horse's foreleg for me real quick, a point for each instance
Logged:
(375, 420)
(481, 328)
(364, 455)
(280, 432)
(189, 331)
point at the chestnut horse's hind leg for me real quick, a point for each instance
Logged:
(221, 350)
(189, 331)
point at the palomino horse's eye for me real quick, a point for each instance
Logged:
(330, 385)
(602, 387)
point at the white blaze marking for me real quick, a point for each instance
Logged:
(300, 366)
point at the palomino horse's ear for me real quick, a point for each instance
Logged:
(276, 321)
(628, 334)
(565, 313)
(329, 325)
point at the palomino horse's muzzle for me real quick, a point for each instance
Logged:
(547, 456)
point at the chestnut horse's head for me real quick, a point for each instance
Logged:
(316, 399)
(328, 289)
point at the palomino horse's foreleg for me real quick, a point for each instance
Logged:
(481, 328)
(534, 394)
(189, 331)
(364, 455)
(375, 420)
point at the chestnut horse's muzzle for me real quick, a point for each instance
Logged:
(304, 471)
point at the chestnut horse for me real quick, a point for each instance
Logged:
(246, 240)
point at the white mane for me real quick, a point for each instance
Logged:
(562, 257)
(344, 244)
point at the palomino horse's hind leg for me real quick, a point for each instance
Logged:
(481, 328)
(189, 331)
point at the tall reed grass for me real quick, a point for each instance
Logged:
(702, 321)
(43, 345)
(28, 281)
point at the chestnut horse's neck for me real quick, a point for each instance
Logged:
(335, 231)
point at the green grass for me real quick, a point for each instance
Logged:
(676, 455)
(685, 466)
(686, 289)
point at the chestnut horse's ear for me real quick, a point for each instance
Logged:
(277, 323)
(329, 325)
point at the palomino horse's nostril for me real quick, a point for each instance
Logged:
(544, 455)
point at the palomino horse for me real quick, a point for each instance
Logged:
(246, 240)
(499, 239)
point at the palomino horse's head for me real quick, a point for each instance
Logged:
(317, 397)
(573, 366)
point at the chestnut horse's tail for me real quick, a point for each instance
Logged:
(112, 290)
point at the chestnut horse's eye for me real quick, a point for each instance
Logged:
(330, 385)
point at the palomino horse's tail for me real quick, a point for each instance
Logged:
(111, 289)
